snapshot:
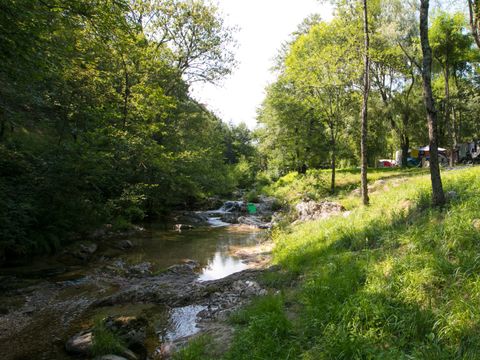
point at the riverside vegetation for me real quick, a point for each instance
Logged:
(395, 280)
(99, 131)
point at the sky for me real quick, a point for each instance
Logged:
(263, 26)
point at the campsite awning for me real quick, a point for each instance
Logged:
(427, 148)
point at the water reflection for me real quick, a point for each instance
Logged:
(209, 246)
(220, 266)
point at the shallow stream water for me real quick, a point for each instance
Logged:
(40, 332)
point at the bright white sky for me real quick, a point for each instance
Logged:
(264, 26)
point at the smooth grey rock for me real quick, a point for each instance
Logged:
(80, 344)
(110, 357)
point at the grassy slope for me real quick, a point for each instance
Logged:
(396, 280)
(292, 187)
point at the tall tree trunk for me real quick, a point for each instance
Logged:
(448, 121)
(126, 94)
(333, 159)
(438, 197)
(366, 88)
(404, 145)
(454, 137)
(474, 11)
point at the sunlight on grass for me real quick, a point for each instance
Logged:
(395, 280)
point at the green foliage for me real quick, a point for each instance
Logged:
(310, 115)
(97, 124)
(105, 342)
(244, 173)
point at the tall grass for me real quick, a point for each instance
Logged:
(395, 280)
(105, 341)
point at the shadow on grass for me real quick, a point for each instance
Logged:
(345, 316)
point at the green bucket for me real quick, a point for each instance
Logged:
(251, 209)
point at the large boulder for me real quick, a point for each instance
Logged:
(312, 210)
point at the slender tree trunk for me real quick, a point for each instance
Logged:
(438, 197)
(474, 11)
(126, 94)
(404, 145)
(454, 136)
(366, 88)
(448, 121)
(333, 159)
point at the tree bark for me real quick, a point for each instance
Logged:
(333, 159)
(474, 11)
(447, 111)
(126, 94)
(366, 88)
(438, 197)
(404, 145)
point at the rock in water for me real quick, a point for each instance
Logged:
(82, 251)
(110, 357)
(124, 245)
(80, 344)
(131, 330)
(253, 221)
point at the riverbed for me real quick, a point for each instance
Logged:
(46, 301)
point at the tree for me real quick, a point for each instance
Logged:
(322, 68)
(366, 88)
(394, 73)
(291, 135)
(438, 196)
(451, 48)
(474, 16)
(196, 36)
(96, 121)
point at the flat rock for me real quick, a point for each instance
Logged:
(312, 210)
(253, 221)
(110, 357)
(80, 344)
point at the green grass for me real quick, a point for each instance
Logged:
(105, 341)
(315, 184)
(197, 349)
(395, 280)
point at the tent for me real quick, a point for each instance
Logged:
(427, 148)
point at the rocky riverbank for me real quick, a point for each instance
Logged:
(52, 312)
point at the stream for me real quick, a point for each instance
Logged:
(45, 302)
